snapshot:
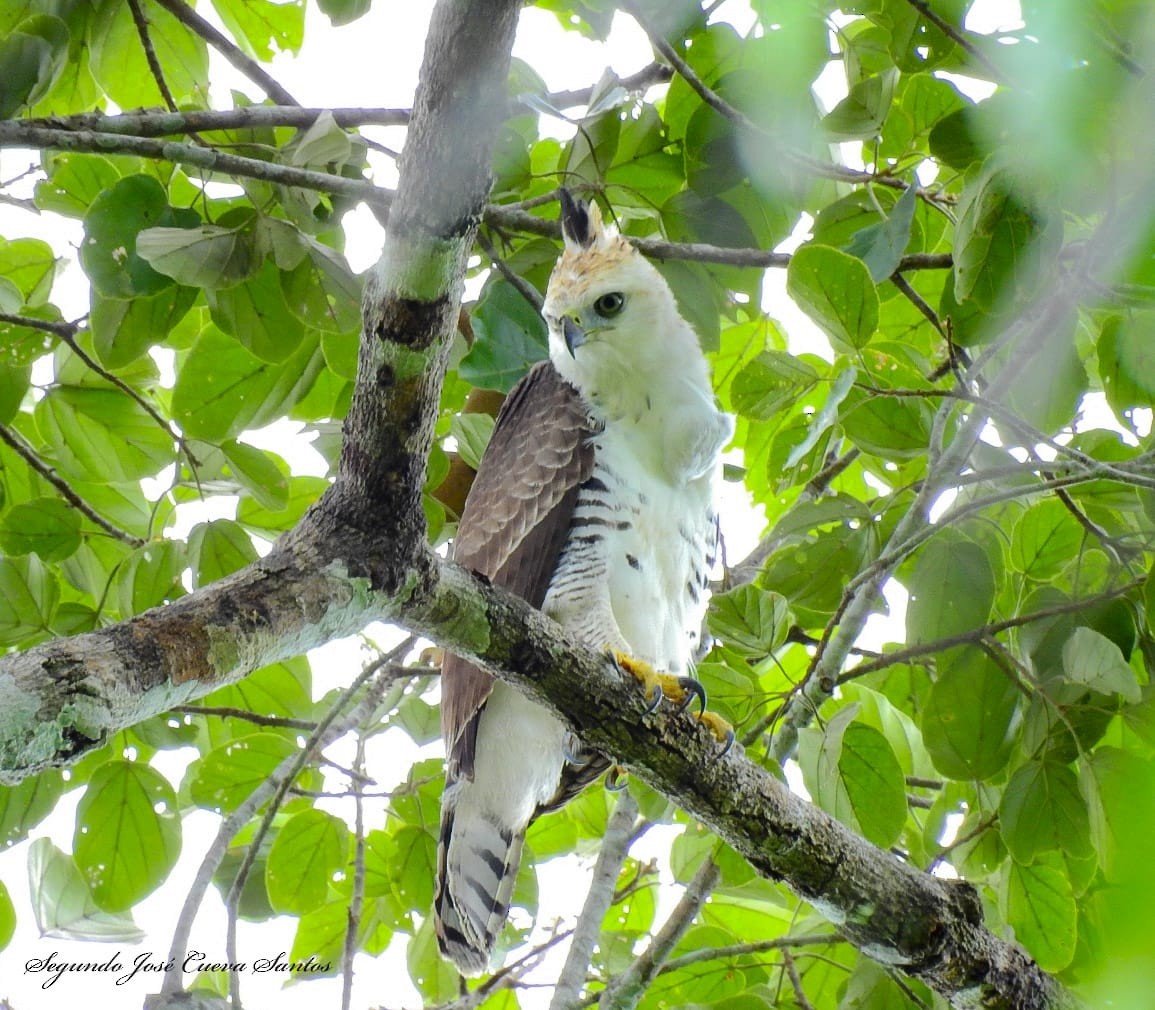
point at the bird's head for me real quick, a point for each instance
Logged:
(611, 315)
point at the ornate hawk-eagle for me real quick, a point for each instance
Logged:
(595, 502)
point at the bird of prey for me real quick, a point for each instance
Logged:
(595, 502)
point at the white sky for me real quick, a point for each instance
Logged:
(373, 62)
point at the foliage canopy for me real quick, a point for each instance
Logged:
(975, 432)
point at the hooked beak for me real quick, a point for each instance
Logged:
(574, 335)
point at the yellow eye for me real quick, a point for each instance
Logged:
(610, 304)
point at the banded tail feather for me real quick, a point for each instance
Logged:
(477, 864)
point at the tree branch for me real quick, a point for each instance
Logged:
(223, 45)
(615, 845)
(624, 991)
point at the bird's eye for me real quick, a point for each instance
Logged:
(610, 304)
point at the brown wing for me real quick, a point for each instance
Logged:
(515, 523)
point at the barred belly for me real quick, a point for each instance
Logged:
(635, 569)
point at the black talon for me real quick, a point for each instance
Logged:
(613, 658)
(615, 779)
(653, 703)
(693, 689)
(727, 746)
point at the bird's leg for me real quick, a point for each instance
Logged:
(681, 691)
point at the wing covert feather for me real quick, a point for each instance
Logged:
(515, 523)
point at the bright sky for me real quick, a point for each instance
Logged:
(373, 62)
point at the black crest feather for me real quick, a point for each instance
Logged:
(575, 219)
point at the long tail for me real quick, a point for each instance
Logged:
(477, 863)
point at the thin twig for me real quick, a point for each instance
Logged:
(154, 67)
(795, 981)
(28, 454)
(356, 899)
(624, 991)
(746, 949)
(957, 36)
(742, 121)
(223, 45)
(13, 133)
(917, 301)
(328, 730)
(524, 288)
(615, 845)
(225, 712)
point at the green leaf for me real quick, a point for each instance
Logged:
(343, 12)
(859, 780)
(128, 832)
(258, 474)
(1045, 539)
(871, 987)
(322, 291)
(28, 597)
(952, 589)
(971, 717)
(46, 526)
(836, 291)
(1042, 810)
(112, 228)
(435, 978)
(880, 246)
(769, 383)
(1126, 361)
(1005, 241)
(472, 433)
(203, 256)
(308, 850)
(217, 549)
(102, 434)
(150, 576)
(120, 67)
(31, 265)
(1094, 660)
(226, 776)
(509, 337)
(303, 491)
(7, 917)
(26, 65)
(263, 28)
(862, 112)
(25, 805)
(280, 689)
(749, 619)
(222, 388)
(1040, 905)
(74, 181)
(62, 903)
(123, 329)
(415, 862)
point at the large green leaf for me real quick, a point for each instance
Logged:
(225, 777)
(128, 833)
(509, 337)
(47, 526)
(121, 68)
(222, 388)
(309, 849)
(217, 549)
(62, 902)
(28, 598)
(837, 292)
(1040, 905)
(952, 588)
(112, 227)
(102, 434)
(1042, 810)
(970, 720)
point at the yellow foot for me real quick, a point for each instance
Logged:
(681, 691)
